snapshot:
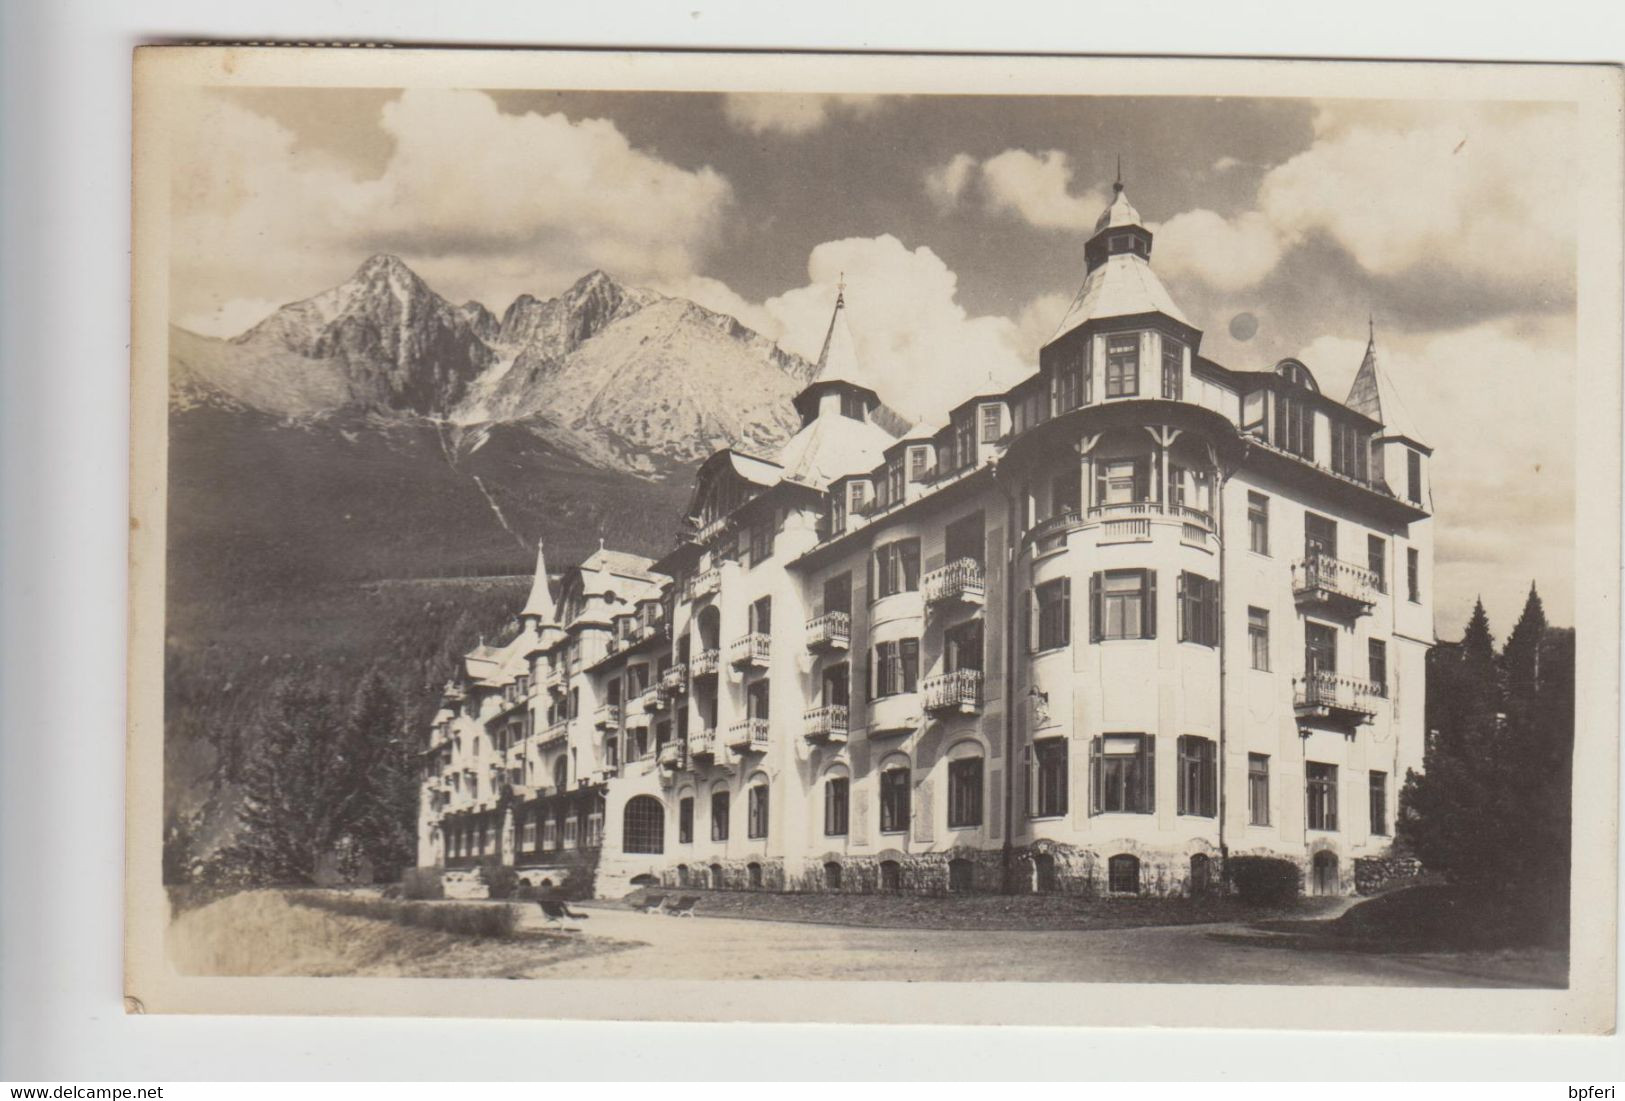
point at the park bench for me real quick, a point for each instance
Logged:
(683, 907)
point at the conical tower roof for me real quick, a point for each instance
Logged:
(838, 359)
(1373, 394)
(1119, 281)
(540, 602)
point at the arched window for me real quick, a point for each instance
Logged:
(1325, 869)
(561, 772)
(709, 623)
(1123, 874)
(832, 876)
(961, 875)
(891, 875)
(753, 875)
(717, 882)
(644, 825)
(1201, 874)
(682, 875)
(1044, 873)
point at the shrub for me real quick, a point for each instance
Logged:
(1263, 880)
(422, 883)
(500, 878)
(467, 919)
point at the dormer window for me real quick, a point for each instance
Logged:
(1413, 475)
(852, 406)
(965, 440)
(991, 421)
(857, 494)
(919, 463)
(1123, 365)
(1173, 369)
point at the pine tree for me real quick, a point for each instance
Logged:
(385, 828)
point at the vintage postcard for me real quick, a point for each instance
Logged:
(826, 537)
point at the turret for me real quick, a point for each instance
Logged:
(835, 388)
(1398, 455)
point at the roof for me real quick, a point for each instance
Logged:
(1373, 394)
(764, 472)
(1123, 286)
(621, 563)
(1121, 212)
(540, 602)
(838, 359)
(831, 447)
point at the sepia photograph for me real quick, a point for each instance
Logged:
(1083, 528)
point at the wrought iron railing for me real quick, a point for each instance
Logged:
(961, 579)
(826, 724)
(748, 734)
(753, 649)
(832, 629)
(960, 690)
(704, 663)
(1332, 693)
(1320, 576)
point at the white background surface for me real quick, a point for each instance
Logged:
(64, 90)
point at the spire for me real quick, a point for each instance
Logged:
(1118, 279)
(838, 359)
(1373, 392)
(540, 604)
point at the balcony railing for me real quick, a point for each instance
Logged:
(830, 631)
(748, 736)
(555, 681)
(702, 744)
(650, 699)
(1340, 699)
(753, 649)
(670, 756)
(608, 714)
(674, 680)
(1322, 579)
(555, 732)
(825, 724)
(960, 580)
(1121, 522)
(959, 691)
(638, 719)
(705, 663)
(705, 583)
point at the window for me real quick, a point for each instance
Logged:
(1322, 795)
(836, 791)
(761, 542)
(1376, 560)
(832, 876)
(897, 667)
(1123, 365)
(1319, 649)
(961, 875)
(1045, 880)
(759, 618)
(1173, 369)
(575, 702)
(851, 405)
(965, 793)
(1198, 609)
(1258, 638)
(962, 646)
(756, 697)
(1122, 770)
(1198, 778)
(561, 771)
(685, 820)
(753, 876)
(1377, 652)
(1351, 451)
(896, 568)
(550, 833)
(1258, 789)
(965, 440)
(1049, 778)
(1071, 380)
(990, 423)
(965, 539)
(1379, 804)
(1413, 574)
(572, 832)
(837, 513)
(1052, 615)
(891, 875)
(838, 593)
(894, 785)
(1123, 605)
(1319, 536)
(1413, 476)
(1122, 481)
(836, 691)
(528, 836)
(1295, 426)
(718, 882)
(1258, 523)
(644, 821)
(719, 816)
(756, 820)
(1123, 874)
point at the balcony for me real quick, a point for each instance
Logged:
(1330, 698)
(650, 699)
(825, 724)
(555, 733)
(705, 664)
(960, 581)
(753, 649)
(607, 715)
(1335, 586)
(830, 631)
(749, 736)
(705, 583)
(670, 756)
(959, 692)
(555, 682)
(674, 681)
(703, 745)
(638, 719)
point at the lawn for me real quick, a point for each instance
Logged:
(261, 933)
(981, 911)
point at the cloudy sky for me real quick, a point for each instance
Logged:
(959, 224)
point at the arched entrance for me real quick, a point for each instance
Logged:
(1325, 873)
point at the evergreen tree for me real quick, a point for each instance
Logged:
(385, 829)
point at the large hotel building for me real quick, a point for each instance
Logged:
(1140, 614)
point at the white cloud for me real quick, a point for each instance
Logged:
(788, 113)
(1037, 322)
(1225, 253)
(945, 183)
(483, 204)
(1038, 188)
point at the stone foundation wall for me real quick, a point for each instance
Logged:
(1381, 873)
(735, 875)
